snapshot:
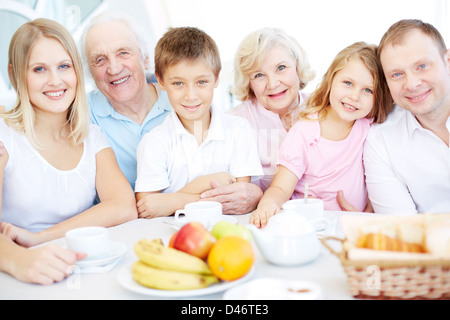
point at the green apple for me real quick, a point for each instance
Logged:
(225, 228)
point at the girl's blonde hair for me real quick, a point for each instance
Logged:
(251, 52)
(319, 100)
(22, 116)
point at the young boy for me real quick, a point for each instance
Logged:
(177, 160)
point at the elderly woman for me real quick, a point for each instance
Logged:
(271, 69)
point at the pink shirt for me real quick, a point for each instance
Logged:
(327, 166)
(269, 133)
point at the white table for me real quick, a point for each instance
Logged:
(326, 270)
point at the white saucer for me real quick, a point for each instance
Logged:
(116, 250)
(274, 289)
(177, 224)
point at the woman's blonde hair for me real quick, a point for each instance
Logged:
(319, 100)
(22, 117)
(251, 52)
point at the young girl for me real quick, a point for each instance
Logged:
(324, 149)
(55, 163)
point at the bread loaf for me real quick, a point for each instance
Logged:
(403, 237)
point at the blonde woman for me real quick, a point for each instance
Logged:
(55, 162)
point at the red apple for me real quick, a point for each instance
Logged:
(195, 239)
(172, 239)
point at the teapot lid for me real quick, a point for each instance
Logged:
(289, 223)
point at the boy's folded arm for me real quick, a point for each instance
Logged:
(203, 183)
(141, 195)
(156, 204)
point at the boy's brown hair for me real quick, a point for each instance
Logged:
(186, 43)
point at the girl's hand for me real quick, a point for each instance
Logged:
(262, 214)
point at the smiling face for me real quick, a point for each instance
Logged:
(116, 63)
(417, 74)
(351, 95)
(190, 87)
(51, 78)
(276, 83)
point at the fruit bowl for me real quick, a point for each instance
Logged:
(125, 279)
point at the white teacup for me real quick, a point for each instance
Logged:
(311, 209)
(205, 212)
(94, 241)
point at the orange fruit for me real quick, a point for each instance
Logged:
(231, 258)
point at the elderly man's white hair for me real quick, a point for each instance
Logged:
(115, 16)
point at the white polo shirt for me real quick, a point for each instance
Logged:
(168, 157)
(407, 167)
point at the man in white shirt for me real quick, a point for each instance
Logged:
(407, 158)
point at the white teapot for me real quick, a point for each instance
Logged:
(288, 239)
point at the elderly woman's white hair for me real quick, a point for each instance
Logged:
(251, 52)
(116, 16)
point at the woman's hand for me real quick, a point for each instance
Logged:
(44, 265)
(20, 236)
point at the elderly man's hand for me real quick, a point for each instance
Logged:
(236, 198)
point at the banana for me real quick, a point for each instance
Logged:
(155, 254)
(170, 280)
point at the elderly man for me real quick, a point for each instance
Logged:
(407, 158)
(126, 107)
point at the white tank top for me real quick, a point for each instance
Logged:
(36, 195)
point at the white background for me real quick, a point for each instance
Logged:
(322, 27)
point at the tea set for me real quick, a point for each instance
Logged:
(291, 236)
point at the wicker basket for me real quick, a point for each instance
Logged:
(394, 279)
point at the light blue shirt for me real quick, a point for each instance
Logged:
(122, 133)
